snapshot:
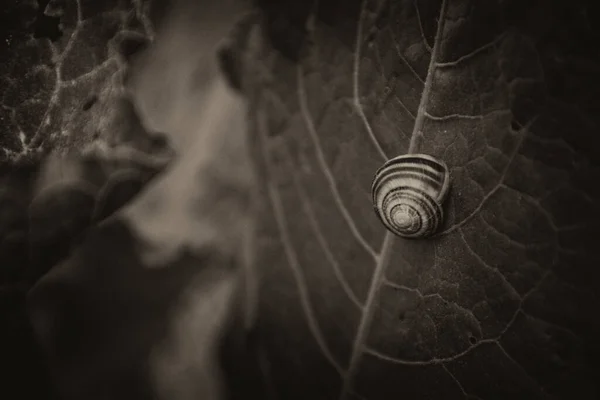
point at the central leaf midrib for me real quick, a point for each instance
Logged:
(385, 255)
(421, 111)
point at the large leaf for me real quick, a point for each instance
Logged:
(502, 302)
(62, 71)
(140, 307)
(83, 116)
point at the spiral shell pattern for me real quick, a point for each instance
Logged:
(408, 192)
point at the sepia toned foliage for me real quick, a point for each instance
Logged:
(193, 187)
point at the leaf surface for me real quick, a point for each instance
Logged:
(65, 62)
(500, 303)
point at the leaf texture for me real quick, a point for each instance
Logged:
(500, 303)
(63, 62)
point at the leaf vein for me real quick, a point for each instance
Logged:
(405, 107)
(365, 321)
(432, 361)
(91, 73)
(307, 206)
(355, 85)
(465, 116)
(417, 130)
(323, 163)
(472, 54)
(58, 76)
(510, 358)
(294, 263)
(460, 386)
(404, 60)
(423, 296)
(425, 42)
(300, 280)
(486, 265)
(498, 185)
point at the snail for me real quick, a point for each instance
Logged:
(408, 193)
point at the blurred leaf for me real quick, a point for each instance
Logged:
(64, 96)
(61, 93)
(502, 303)
(141, 306)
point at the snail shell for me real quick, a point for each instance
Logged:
(408, 192)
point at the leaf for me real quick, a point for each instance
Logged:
(57, 83)
(47, 211)
(50, 204)
(149, 290)
(501, 303)
(64, 94)
(141, 307)
(84, 111)
(62, 75)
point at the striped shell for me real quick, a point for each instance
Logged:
(408, 192)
